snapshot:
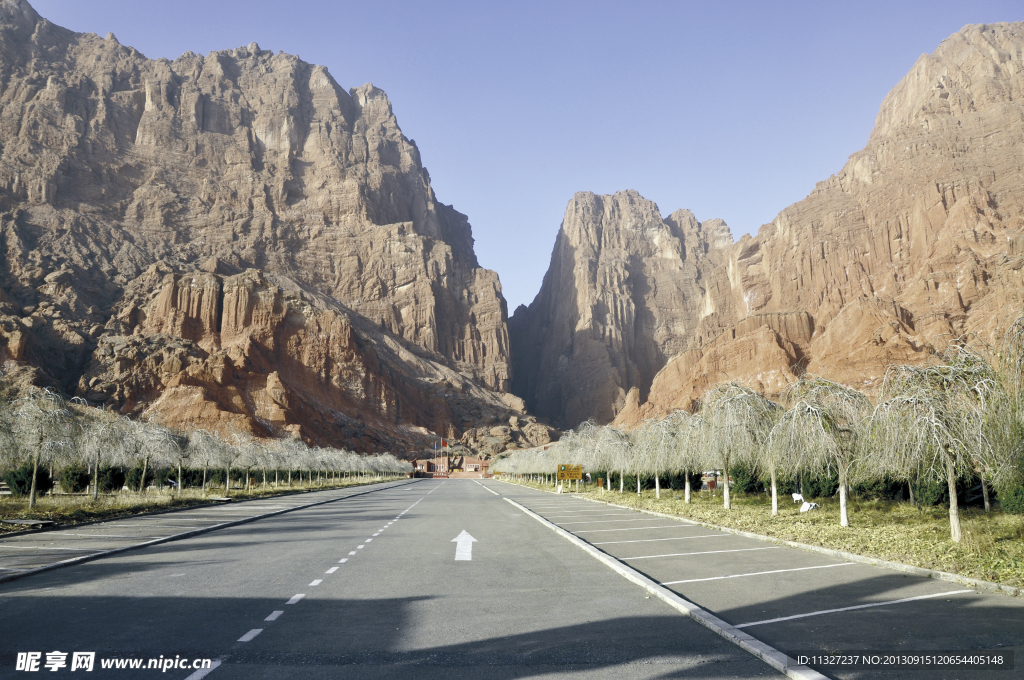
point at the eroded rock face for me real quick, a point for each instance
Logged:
(215, 166)
(621, 296)
(914, 241)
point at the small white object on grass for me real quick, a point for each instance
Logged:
(808, 506)
(798, 498)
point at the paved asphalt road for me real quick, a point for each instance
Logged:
(792, 599)
(365, 587)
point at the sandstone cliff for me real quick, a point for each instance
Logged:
(123, 177)
(916, 239)
(913, 242)
(622, 294)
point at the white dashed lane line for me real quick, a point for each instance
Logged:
(274, 615)
(353, 552)
(359, 547)
(317, 582)
(296, 598)
(331, 570)
(343, 560)
(369, 540)
(250, 635)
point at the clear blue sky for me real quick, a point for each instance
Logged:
(730, 109)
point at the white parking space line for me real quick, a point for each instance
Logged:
(296, 598)
(589, 513)
(755, 573)
(604, 521)
(670, 526)
(250, 635)
(705, 552)
(317, 582)
(274, 615)
(45, 547)
(674, 538)
(847, 609)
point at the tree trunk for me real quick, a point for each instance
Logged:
(180, 484)
(638, 484)
(910, 487)
(954, 508)
(725, 487)
(622, 482)
(984, 493)
(227, 480)
(657, 487)
(277, 475)
(247, 480)
(289, 478)
(35, 475)
(609, 480)
(205, 468)
(686, 494)
(142, 482)
(844, 520)
(96, 478)
(775, 495)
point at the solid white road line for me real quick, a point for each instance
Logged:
(491, 490)
(296, 598)
(343, 560)
(331, 570)
(250, 635)
(674, 538)
(594, 531)
(755, 573)
(274, 615)
(317, 582)
(705, 552)
(846, 609)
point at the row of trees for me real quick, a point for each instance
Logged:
(41, 431)
(961, 417)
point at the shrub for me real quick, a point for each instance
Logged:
(19, 480)
(821, 487)
(745, 481)
(135, 477)
(1011, 500)
(886, 488)
(111, 479)
(74, 479)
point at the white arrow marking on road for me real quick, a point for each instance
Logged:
(464, 546)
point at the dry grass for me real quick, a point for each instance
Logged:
(74, 509)
(992, 548)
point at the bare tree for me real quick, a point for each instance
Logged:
(934, 419)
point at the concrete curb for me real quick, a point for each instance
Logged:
(178, 537)
(773, 657)
(852, 557)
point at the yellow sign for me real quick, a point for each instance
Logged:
(570, 472)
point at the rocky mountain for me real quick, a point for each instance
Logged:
(917, 239)
(234, 240)
(621, 296)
